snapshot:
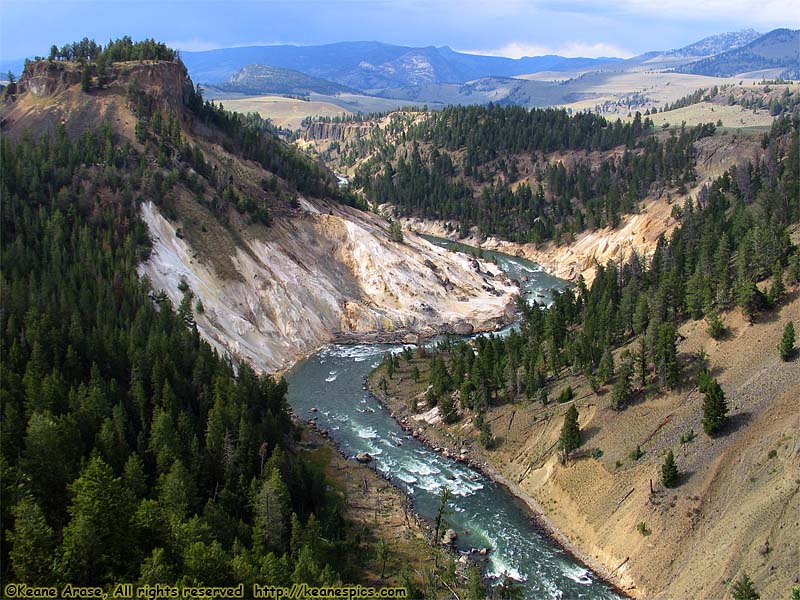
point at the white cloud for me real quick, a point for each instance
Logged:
(570, 49)
(756, 13)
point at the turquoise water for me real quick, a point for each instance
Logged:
(483, 514)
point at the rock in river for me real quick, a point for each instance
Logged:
(363, 457)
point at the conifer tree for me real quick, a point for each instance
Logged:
(778, 289)
(475, 587)
(382, 554)
(441, 514)
(447, 408)
(271, 514)
(716, 326)
(96, 541)
(570, 432)
(32, 544)
(622, 391)
(606, 369)
(86, 78)
(669, 471)
(744, 589)
(786, 347)
(715, 407)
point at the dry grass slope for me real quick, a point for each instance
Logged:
(737, 508)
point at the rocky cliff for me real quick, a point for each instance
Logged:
(325, 271)
(319, 131)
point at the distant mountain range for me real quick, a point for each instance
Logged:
(715, 44)
(440, 74)
(265, 79)
(373, 66)
(778, 50)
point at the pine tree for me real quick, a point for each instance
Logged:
(570, 432)
(447, 409)
(382, 554)
(32, 544)
(96, 541)
(669, 471)
(441, 514)
(715, 408)
(778, 289)
(786, 347)
(271, 514)
(744, 589)
(606, 369)
(621, 393)
(86, 78)
(157, 568)
(396, 231)
(306, 569)
(716, 326)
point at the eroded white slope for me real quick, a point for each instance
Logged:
(331, 269)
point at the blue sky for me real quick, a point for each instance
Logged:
(504, 27)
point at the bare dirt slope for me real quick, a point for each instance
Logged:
(737, 508)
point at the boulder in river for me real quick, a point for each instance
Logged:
(510, 311)
(449, 536)
(363, 457)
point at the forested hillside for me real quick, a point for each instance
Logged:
(651, 414)
(504, 170)
(131, 451)
(732, 237)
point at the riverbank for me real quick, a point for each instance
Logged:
(466, 449)
(737, 501)
(373, 506)
(637, 233)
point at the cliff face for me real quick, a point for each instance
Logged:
(325, 271)
(46, 78)
(49, 94)
(335, 132)
(167, 81)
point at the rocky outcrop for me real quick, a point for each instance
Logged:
(165, 82)
(335, 132)
(47, 78)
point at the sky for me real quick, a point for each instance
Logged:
(501, 27)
